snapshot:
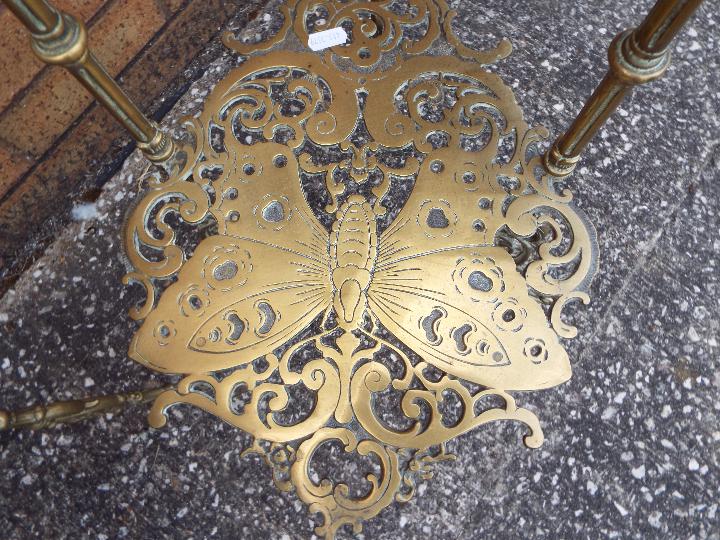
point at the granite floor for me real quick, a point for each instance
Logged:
(632, 441)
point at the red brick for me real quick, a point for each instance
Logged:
(56, 100)
(12, 167)
(18, 64)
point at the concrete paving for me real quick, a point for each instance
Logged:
(632, 440)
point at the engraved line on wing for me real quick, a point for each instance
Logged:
(312, 291)
(278, 287)
(394, 228)
(320, 235)
(382, 266)
(302, 281)
(384, 305)
(310, 267)
(282, 248)
(396, 271)
(385, 255)
(386, 288)
(317, 296)
(309, 272)
(395, 285)
(384, 248)
(311, 246)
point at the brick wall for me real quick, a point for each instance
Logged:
(56, 145)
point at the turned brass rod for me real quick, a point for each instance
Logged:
(636, 57)
(58, 38)
(67, 412)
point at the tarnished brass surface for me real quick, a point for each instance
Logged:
(58, 38)
(382, 260)
(636, 57)
(66, 412)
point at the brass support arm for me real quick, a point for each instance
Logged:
(66, 412)
(58, 38)
(636, 57)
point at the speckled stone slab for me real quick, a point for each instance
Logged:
(632, 441)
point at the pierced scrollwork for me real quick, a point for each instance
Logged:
(376, 263)
(421, 466)
(375, 29)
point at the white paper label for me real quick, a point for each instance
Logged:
(327, 38)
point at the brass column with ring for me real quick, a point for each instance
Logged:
(636, 57)
(59, 38)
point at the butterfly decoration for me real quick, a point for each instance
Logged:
(377, 236)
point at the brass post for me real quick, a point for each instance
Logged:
(66, 412)
(636, 57)
(58, 38)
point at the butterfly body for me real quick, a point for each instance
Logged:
(353, 252)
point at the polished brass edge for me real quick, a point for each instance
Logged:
(67, 412)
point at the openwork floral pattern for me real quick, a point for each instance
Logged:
(373, 251)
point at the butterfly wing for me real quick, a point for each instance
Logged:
(246, 291)
(443, 288)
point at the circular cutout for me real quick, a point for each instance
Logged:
(478, 225)
(436, 219)
(479, 281)
(536, 350)
(225, 271)
(273, 212)
(280, 161)
(227, 267)
(509, 315)
(484, 203)
(194, 301)
(164, 332)
(437, 166)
